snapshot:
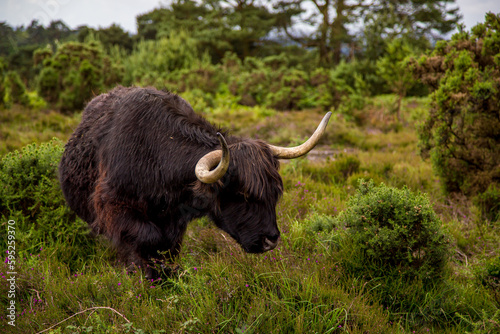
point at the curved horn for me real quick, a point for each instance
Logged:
(208, 161)
(295, 152)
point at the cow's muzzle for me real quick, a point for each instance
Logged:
(270, 243)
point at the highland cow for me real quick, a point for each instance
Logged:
(142, 164)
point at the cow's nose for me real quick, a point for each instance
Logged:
(270, 242)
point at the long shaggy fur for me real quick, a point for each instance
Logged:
(128, 171)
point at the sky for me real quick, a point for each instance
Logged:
(102, 13)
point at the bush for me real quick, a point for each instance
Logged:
(14, 90)
(152, 62)
(489, 203)
(392, 67)
(74, 74)
(31, 196)
(461, 134)
(394, 229)
(350, 89)
(287, 89)
(319, 223)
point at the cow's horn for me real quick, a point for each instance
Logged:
(219, 158)
(295, 152)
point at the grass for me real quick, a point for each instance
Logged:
(303, 286)
(20, 126)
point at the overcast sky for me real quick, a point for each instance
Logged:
(102, 13)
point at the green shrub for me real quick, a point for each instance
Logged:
(350, 89)
(287, 88)
(252, 83)
(461, 134)
(41, 54)
(395, 228)
(14, 90)
(75, 73)
(35, 101)
(202, 76)
(31, 196)
(493, 269)
(392, 67)
(319, 223)
(489, 203)
(489, 276)
(152, 62)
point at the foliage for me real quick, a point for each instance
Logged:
(153, 62)
(417, 22)
(241, 27)
(246, 28)
(19, 44)
(395, 229)
(13, 89)
(462, 132)
(30, 195)
(274, 81)
(489, 203)
(112, 36)
(392, 67)
(74, 74)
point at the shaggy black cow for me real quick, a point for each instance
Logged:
(139, 166)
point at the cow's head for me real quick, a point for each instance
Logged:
(246, 186)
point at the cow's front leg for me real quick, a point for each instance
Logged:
(139, 242)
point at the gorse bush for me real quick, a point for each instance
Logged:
(153, 62)
(75, 73)
(395, 228)
(13, 90)
(461, 134)
(31, 196)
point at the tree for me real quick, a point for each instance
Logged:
(394, 70)
(7, 39)
(19, 44)
(330, 19)
(240, 26)
(419, 22)
(114, 35)
(57, 31)
(462, 131)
